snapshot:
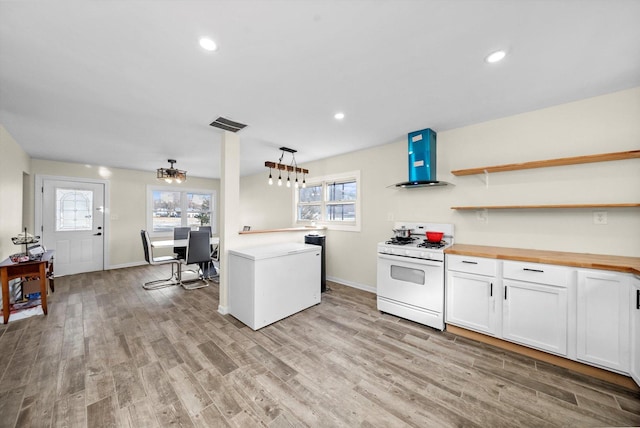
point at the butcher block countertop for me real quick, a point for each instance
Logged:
(589, 261)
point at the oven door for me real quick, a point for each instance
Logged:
(411, 281)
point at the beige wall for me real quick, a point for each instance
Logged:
(14, 163)
(597, 125)
(127, 203)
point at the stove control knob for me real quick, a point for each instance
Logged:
(423, 255)
(407, 252)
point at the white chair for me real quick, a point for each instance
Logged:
(198, 254)
(161, 260)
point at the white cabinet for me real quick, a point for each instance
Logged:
(471, 288)
(635, 329)
(535, 315)
(535, 306)
(603, 319)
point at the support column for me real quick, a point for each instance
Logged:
(229, 208)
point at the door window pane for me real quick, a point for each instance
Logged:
(74, 208)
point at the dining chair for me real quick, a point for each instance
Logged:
(180, 233)
(213, 269)
(160, 260)
(197, 254)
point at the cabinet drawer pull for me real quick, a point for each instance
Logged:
(470, 263)
(491, 290)
(505, 292)
(533, 270)
(637, 299)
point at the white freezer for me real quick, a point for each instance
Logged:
(271, 282)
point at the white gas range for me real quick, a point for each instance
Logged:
(410, 273)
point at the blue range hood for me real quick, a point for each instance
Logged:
(422, 160)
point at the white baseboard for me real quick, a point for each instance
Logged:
(352, 284)
(126, 265)
(223, 310)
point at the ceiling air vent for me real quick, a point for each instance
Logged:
(227, 125)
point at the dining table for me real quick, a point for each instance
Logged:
(167, 243)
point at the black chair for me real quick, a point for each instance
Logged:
(161, 260)
(211, 270)
(180, 233)
(197, 254)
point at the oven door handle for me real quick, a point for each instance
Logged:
(413, 260)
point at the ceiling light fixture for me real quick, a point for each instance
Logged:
(208, 44)
(339, 116)
(292, 167)
(495, 57)
(171, 174)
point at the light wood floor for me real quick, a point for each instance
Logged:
(112, 354)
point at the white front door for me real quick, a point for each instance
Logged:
(73, 225)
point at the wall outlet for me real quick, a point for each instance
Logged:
(599, 217)
(482, 216)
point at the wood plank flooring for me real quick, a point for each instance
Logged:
(111, 354)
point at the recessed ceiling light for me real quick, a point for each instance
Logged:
(496, 56)
(339, 116)
(208, 44)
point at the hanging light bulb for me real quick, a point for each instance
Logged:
(279, 178)
(288, 180)
(270, 178)
(304, 183)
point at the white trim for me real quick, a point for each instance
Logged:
(352, 284)
(127, 265)
(223, 310)
(106, 224)
(333, 225)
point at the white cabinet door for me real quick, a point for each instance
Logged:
(603, 319)
(471, 302)
(535, 315)
(635, 330)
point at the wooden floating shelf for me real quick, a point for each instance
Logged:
(284, 167)
(551, 206)
(550, 162)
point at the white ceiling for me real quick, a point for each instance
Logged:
(125, 84)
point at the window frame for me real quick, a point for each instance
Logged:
(323, 182)
(183, 208)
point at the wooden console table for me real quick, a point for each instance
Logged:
(36, 268)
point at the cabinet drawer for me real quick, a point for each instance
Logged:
(536, 272)
(477, 265)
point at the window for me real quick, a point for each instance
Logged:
(74, 209)
(332, 201)
(168, 208)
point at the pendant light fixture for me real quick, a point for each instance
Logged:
(292, 167)
(171, 174)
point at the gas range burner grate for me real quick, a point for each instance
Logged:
(432, 245)
(401, 241)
